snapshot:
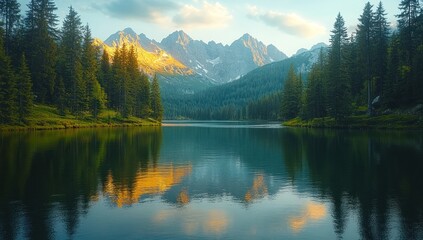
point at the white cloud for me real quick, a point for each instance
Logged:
(290, 23)
(208, 15)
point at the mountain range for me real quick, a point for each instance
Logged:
(179, 54)
(194, 74)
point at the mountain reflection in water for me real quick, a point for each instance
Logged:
(211, 180)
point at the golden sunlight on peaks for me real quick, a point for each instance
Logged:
(258, 190)
(155, 180)
(311, 212)
(149, 62)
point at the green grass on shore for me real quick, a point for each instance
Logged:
(392, 121)
(46, 117)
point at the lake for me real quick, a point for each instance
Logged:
(208, 180)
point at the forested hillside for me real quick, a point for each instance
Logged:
(42, 64)
(375, 70)
(230, 101)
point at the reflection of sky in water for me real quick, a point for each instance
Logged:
(235, 181)
(285, 215)
(257, 214)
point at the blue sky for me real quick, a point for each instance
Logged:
(288, 24)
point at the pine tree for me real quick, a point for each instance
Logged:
(70, 66)
(105, 75)
(120, 81)
(8, 90)
(41, 48)
(133, 81)
(315, 97)
(380, 47)
(365, 47)
(10, 15)
(24, 94)
(116, 73)
(339, 100)
(143, 97)
(95, 94)
(291, 95)
(407, 24)
(156, 102)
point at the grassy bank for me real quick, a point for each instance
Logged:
(46, 117)
(362, 122)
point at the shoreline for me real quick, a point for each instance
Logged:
(46, 118)
(84, 126)
(363, 122)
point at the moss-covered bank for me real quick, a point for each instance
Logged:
(392, 121)
(47, 118)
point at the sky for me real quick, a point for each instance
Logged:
(287, 24)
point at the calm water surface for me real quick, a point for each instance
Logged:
(225, 180)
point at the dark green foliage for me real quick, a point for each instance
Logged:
(267, 108)
(338, 87)
(64, 68)
(365, 50)
(315, 92)
(8, 90)
(70, 66)
(291, 95)
(41, 48)
(25, 96)
(105, 75)
(10, 16)
(156, 102)
(228, 101)
(380, 48)
(60, 96)
(96, 96)
(143, 101)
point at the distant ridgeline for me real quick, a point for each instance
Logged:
(44, 65)
(377, 70)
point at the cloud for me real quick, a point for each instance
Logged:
(209, 15)
(147, 10)
(290, 23)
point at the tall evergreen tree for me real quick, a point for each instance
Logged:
(339, 99)
(407, 24)
(291, 95)
(105, 75)
(391, 96)
(10, 15)
(315, 97)
(380, 47)
(365, 47)
(41, 49)
(95, 94)
(144, 105)
(24, 94)
(156, 102)
(70, 63)
(8, 90)
(133, 81)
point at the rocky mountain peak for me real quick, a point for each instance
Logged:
(179, 37)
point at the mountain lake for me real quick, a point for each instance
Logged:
(211, 180)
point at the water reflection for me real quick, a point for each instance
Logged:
(155, 180)
(311, 212)
(258, 190)
(239, 182)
